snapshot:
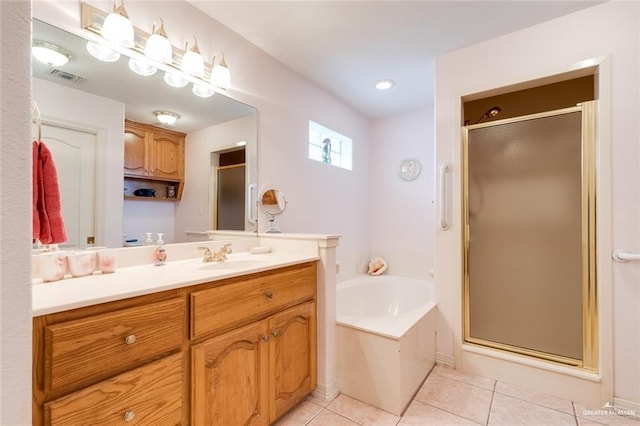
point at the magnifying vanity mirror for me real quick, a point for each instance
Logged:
(272, 204)
(84, 105)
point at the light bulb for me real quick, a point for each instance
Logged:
(192, 62)
(174, 80)
(158, 46)
(203, 90)
(49, 54)
(142, 67)
(102, 52)
(220, 74)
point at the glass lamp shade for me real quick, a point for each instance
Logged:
(159, 49)
(118, 29)
(192, 64)
(203, 90)
(102, 52)
(174, 80)
(221, 76)
(142, 67)
(167, 118)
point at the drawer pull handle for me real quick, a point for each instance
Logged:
(275, 333)
(130, 340)
(265, 338)
(128, 416)
(269, 295)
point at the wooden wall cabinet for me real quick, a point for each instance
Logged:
(153, 157)
(169, 358)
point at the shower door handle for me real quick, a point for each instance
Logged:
(444, 222)
(624, 256)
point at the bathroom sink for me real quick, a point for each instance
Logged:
(231, 263)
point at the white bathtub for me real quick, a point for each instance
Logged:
(386, 338)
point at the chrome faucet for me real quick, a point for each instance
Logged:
(218, 256)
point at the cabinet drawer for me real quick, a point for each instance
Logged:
(86, 350)
(219, 308)
(148, 395)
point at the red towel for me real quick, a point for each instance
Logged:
(48, 205)
(35, 184)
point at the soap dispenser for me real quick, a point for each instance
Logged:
(159, 253)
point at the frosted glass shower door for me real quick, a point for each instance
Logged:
(524, 239)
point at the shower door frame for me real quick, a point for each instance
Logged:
(589, 359)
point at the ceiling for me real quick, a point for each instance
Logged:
(346, 46)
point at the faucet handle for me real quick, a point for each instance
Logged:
(206, 249)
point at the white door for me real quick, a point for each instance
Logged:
(74, 154)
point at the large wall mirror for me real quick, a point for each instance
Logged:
(84, 105)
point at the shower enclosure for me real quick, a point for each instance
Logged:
(529, 235)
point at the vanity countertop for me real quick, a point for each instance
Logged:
(134, 281)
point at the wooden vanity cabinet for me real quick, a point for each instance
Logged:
(154, 155)
(264, 362)
(232, 352)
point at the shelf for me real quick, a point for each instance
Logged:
(131, 184)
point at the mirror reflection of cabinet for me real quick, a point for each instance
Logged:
(154, 159)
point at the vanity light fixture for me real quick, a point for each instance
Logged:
(192, 62)
(220, 74)
(158, 46)
(385, 84)
(179, 69)
(117, 27)
(167, 118)
(102, 52)
(49, 54)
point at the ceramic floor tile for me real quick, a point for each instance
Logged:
(318, 401)
(509, 411)
(548, 401)
(362, 413)
(329, 418)
(602, 415)
(471, 379)
(465, 400)
(301, 414)
(420, 414)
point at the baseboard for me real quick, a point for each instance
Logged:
(326, 392)
(444, 359)
(627, 408)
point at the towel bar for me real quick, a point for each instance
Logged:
(624, 256)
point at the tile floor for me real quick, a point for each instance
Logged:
(449, 397)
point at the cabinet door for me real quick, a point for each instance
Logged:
(230, 378)
(135, 151)
(167, 156)
(292, 356)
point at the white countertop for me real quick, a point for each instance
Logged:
(134, 281)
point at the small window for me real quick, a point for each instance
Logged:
(328, 146)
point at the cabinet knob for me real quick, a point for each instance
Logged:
(130, 339)
(269, 295)
(275, 333)
(128, 416)
(265, 338)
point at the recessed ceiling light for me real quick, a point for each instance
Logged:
(49, 54)
(385, 84)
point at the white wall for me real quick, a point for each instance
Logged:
(193, 211)
(15, 213)
(402, 213)
(106, 117)
(609, 30)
